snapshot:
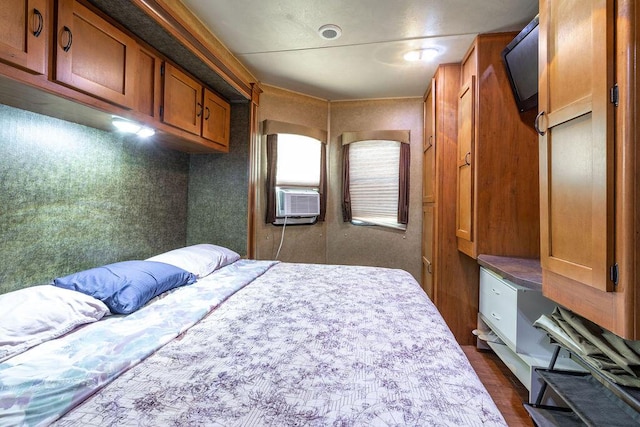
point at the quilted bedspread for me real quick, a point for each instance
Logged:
(304, 345)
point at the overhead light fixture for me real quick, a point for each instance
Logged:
(145, 132)
(127, 126)
(330, 32)
(426, 54)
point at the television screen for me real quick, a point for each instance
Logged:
(520, 58)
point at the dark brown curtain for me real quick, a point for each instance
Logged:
(403, 184)
(323, 182)
(346, 196)
(272, 162)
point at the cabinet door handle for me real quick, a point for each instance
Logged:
(430, 141)
(429, 269)
(39, 24)
(495, 316)
(66, 30)
(199, 113)
(467, 158)
(207, 113)
(495, 291)
(536, 124)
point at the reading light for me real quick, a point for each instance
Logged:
(125, 126)
(128, 126)
(330, 31)
(145, 132)
(426, 54)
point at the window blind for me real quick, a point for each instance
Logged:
(374, 181)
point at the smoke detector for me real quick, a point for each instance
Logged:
(330, 32)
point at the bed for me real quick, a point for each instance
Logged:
(254, 343)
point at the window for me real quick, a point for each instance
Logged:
(296, 157)
(376, 180)
(298, 161)
(373, 178)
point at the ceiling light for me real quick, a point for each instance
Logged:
(426, 54)
(330, 32)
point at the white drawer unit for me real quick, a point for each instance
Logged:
(510, 310)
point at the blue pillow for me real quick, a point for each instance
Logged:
(126, 286)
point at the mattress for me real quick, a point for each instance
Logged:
(258, 343)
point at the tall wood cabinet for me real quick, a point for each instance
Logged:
(497, 205)
(449, 277)
(588, 159)
(25, 34)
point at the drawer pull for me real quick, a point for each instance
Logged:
(495, 316)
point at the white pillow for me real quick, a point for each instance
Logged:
(201, 260)
(33, 315)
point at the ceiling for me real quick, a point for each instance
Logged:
(279, 43)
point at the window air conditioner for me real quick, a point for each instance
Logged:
(297, 203)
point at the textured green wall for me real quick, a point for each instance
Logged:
(218, 189)
(73, 197)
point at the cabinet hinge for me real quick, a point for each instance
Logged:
(162, 70)
(614, 274)
(161, 111)
(614, 95)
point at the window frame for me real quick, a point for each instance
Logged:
(403, 138)
(271, 129)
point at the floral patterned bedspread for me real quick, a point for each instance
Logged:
(304, 345)
(41, 384)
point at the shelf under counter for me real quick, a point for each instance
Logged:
(591, 402)
(510, 302)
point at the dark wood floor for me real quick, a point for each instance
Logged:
(505, 389)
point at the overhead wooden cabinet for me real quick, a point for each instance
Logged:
(190, 106)
(93, 56)
(69, 59)
(25, 34)
(449, 277)
(148, 83)
(497, 205)
(216, 119)
(587, 159)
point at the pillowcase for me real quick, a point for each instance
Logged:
(33, 315)
(201, 260)
(126, 286)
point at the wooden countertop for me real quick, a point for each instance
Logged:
(525, 272)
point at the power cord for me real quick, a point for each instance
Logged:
(284, 225)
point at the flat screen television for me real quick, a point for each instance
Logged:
(520, 59)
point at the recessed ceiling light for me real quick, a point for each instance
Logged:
(330, 32)
(426, 54)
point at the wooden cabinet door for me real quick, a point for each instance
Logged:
(25, 33)
(429, 149)
(93, 56)
(148, 83)
(216, 120)
(577, 147)
(465, 184)
(428, 242)
(182, 105)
